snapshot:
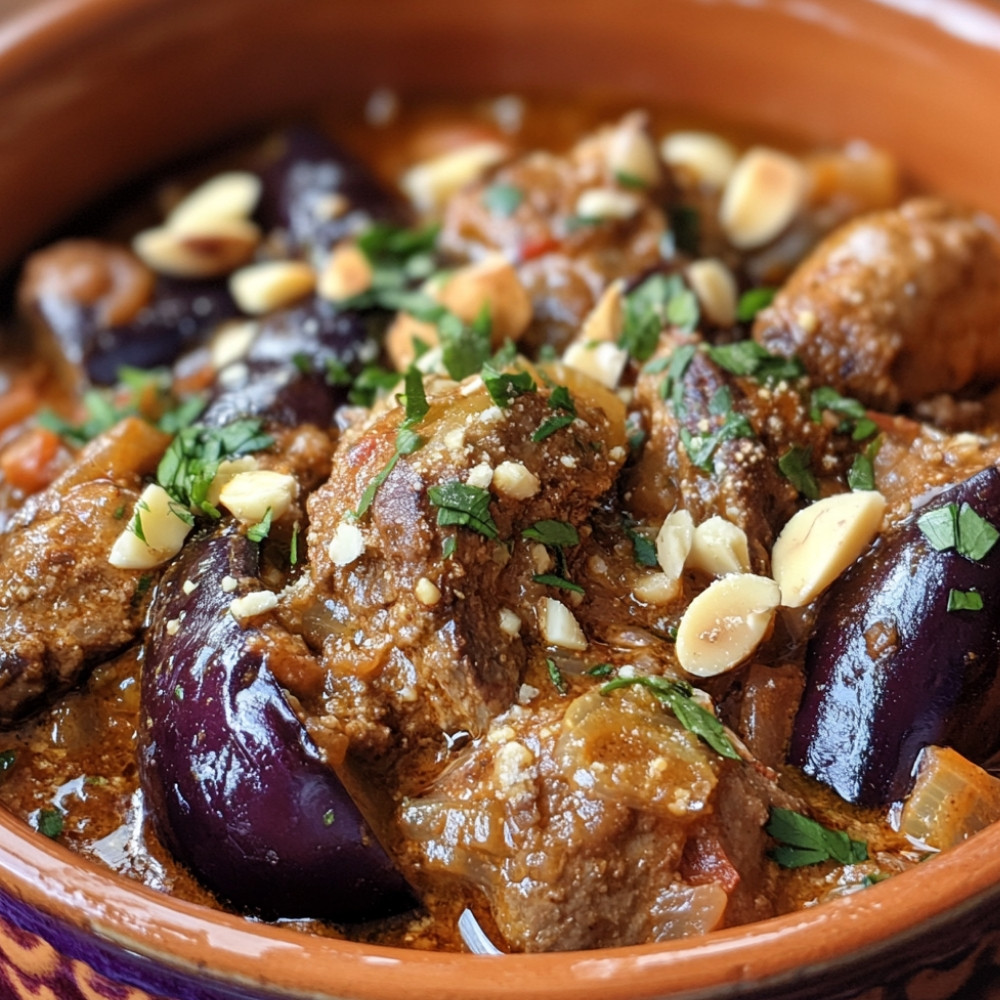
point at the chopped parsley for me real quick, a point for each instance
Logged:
(371, 380)
(748, 358)
(191, 461)
(552, 533)
(8, 758)
(685, 228)
(661, 300)
(555, 675)
(644, 549)
(505, 387)
(464, 349)
(562, 401)
(328, 817)
(958, 528)
(463, 505)
(259, 531)
(448, 547)
(415, 407)
(965, 600)
(678, 696)
(628, 180)
(293, 547)
(600, 670)
(50, 822)
(803, 841)
(503, 199)
(554, 580)
(795, 467)
(752, 301)
(861, 475)
(730, 424)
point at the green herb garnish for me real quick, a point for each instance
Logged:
(259, 531)
(965, 600)
(748, 358)
(561, 400)
(505, 387)
(701, 447)
(464, 505)
(555, 675)
(503, 199)
(50, 822)
(552, 533)
(644, 549)
(803, 841)
(752, 301)
(958, 528)
(553, 580)
(659, 301)
(795, 467)
(678, 696)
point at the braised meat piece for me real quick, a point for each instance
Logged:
(591, 821)
(63, 606)
(570, 224)
(895, 306)
(418, 603)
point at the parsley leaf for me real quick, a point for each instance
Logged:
(464, 349)
(958, 528)
(803, 841)
(259, 531)
(659, 301)
(50, 822)
(553, 580)
(505, 387)
(678, 696)
(644, 549)
(193, 457)
(465, 505)
(503, 199)
(795, 467)
(553, 533)
(748, 358)
(965, 600)
(752, 301)
(555, 675)
(861, 475)
(701, 447)
(560, 399)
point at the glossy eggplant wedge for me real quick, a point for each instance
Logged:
(236, 787)
(906, 650)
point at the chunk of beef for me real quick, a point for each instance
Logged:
(591, 822)
(564, 260)
(63, 606)
(420, 641)
(713, 446)
(895, 306)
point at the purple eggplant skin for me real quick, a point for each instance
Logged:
(284, 377)
(298, 185)
(890, 670)
(179, 316)
(235, 787)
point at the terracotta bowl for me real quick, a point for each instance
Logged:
(92, 91)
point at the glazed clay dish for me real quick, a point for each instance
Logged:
(97, 93)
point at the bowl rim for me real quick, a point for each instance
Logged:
(77, 892)
(47, 876)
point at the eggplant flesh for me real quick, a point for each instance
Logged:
(236, 788)
(890, 669)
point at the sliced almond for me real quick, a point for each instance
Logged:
(231, 342)
(155, 532)
(230, 195)
(225, 472)
(494, 285)
(725, 623)
(821, 541)
(347, 544)
(656, 588)
(515, 480)
(204, 253)
(763, 194)
(601, 360)
(560, 627)
(430, 184)
(427, 592)
(607, 319)
(248, 496)
(251, 605)
(631, 154)
(713, 282)
(704, 157)
(607, 203)
(719, 548)
(347, 273)
(673, 542)
(271, 284)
